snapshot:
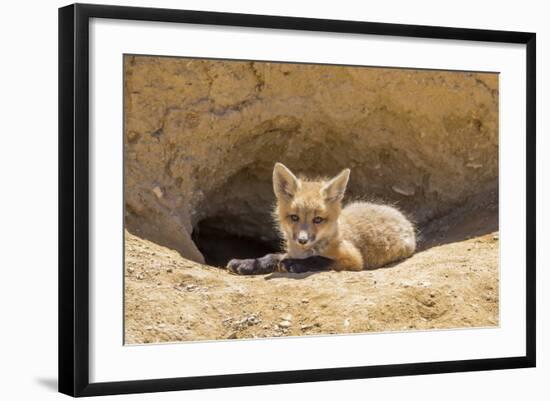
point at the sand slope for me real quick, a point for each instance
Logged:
(169, 298)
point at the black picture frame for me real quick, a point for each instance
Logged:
(74, 198)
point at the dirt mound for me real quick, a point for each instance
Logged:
(202, 136)
(169, 298)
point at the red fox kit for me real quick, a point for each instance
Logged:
(316, 228)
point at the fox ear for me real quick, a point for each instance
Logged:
(285, 184)
(334, 189)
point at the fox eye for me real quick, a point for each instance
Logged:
(294, 217)
(318, 220)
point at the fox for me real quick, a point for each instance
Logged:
(319, 232)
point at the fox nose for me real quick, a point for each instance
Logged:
(303, 237)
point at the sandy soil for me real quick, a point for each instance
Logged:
(169, 298)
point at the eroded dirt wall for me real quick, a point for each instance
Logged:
(201, 138)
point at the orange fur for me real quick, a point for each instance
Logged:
(312, 222)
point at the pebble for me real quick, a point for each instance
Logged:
(232, 335)
(250, 320)
(475, 166)
(305, 301)
(158, 192)
(285, 324)
(287, 316)
(403, 190)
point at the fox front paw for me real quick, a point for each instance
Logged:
(242, 266)
(264, 265)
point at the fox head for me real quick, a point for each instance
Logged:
(307, 210)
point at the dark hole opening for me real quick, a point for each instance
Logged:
(219, 245)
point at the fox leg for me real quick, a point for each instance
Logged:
(312, 263)
(278, 262)
(347, 257)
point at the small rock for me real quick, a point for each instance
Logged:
(495, 237)
(250, 320)
(232, 335)
(285, 324)
(169, 270)
(287, 316)
(403, 190)
(133, 135)
(305, 300)
(475, 166)
(140, 276)
(346, 323)
(305, 327)
(130, 269)
(158, 192)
